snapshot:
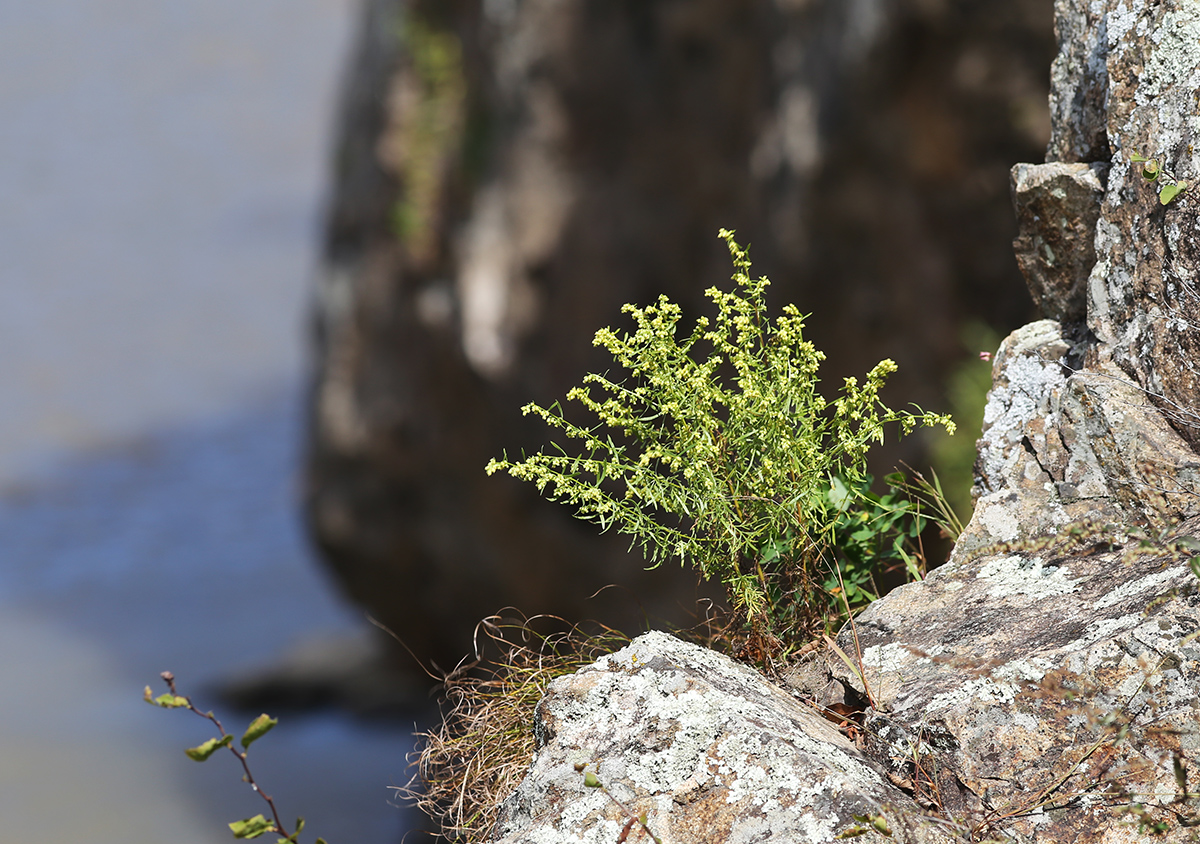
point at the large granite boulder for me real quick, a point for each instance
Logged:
(1044, 685)
(511, 172)
(707, 749)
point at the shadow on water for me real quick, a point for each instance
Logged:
(182, 550)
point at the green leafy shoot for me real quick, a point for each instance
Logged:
(1152, 171)
(248, 827)
(715, 448)
(251, 827)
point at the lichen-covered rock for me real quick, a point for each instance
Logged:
(1058, 684)
(1057, 208)
(1104, 423)
(708, 750)
(1143, 294)
(1064, 444)
(1079, 84)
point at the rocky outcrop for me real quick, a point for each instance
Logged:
(707, 750)
(511, 173)
(1042, 685)
(1098, 417)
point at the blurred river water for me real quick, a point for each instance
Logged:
(162, 166)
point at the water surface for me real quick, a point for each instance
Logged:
(162, 165)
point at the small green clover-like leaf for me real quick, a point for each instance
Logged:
(591, 780)
(879, 823)
(251, 827)
(258, 728)
(167, 701)
(1169, 192)
(203, 751)
(1150, 170)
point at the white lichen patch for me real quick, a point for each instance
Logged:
(982, 689)
(1121, 20)
(891, 657)
(1105, 627)
(1030, 383)
(1029, 670)
(1000, 521)
(1026, 722)
(1171, 65)
(1149, 587)
(1029, 576)
(581, 819)
(755, 769)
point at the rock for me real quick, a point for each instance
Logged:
(1064, 444)
(1102, 425)
(510, 173)
(1057, 209)
(1079, 84)
(1056, 684)
(1143, 295)
(704, 746)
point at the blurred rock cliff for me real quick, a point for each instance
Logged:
(510, 172)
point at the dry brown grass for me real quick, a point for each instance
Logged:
(476, 757)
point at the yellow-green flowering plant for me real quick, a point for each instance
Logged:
(716, 448)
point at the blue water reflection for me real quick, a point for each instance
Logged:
(182, 550)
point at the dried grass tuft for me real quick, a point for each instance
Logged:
(468, 765)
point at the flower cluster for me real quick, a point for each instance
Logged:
(718, 450)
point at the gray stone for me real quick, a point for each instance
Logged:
(1064, 443)
(1079, 84)
(1025, 660)
(1057, 207)
(1143, 298)
(704, 746)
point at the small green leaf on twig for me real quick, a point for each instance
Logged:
(203, 751)
(259, 727)
(879, 822)
(295, 836)
(592, 781)
(251, 827)
(1169, 192)
(164, 700)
